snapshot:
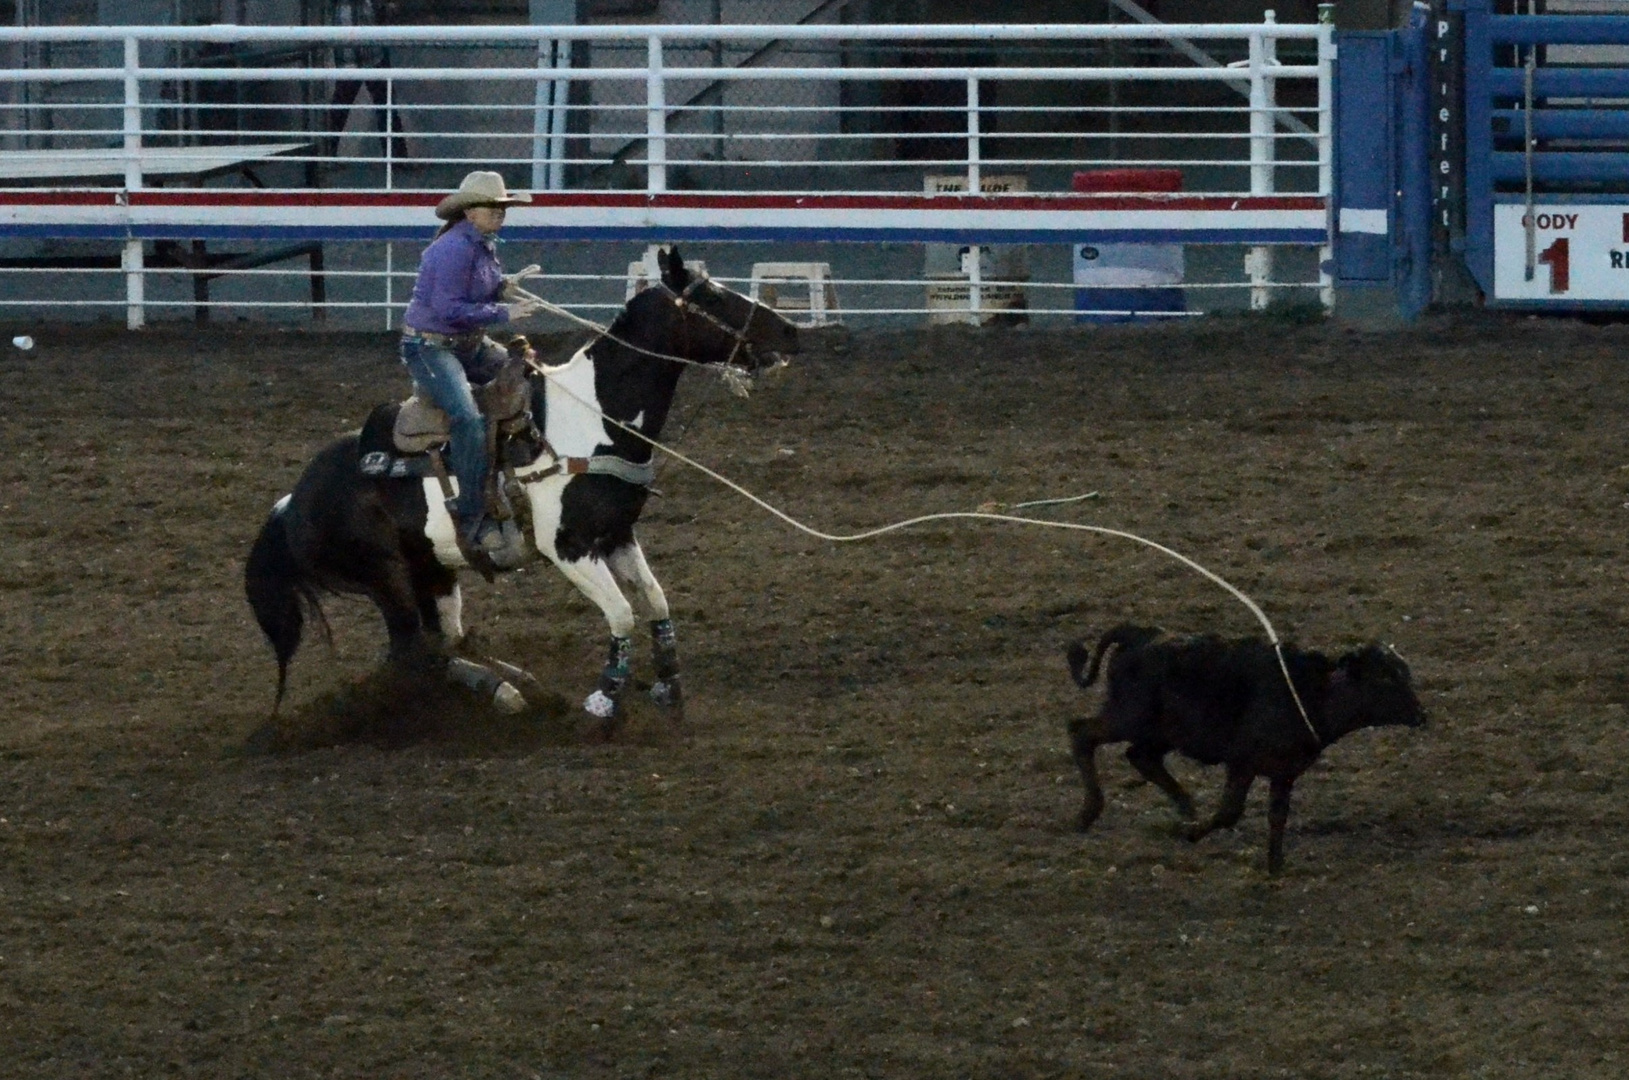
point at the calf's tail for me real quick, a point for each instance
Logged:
(279, 594)
(1124, 636)
(1079, 654)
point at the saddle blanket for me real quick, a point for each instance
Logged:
(382, 463)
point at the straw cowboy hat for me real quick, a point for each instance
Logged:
(478, 189)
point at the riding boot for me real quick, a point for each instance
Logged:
(469, 535)
(470, 462)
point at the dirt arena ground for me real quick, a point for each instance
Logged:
(860, 860)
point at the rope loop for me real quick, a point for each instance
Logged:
(958, 515)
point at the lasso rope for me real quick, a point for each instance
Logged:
(958, 515)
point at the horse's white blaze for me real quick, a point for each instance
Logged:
(451, 610)
(574, 426)
(281, 504)
(633, 572)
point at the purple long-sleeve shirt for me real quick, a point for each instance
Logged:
(458, 284)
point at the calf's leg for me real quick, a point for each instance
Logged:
(1278, 815)
(1149, 759)
(1231, 808)
(1084, 745)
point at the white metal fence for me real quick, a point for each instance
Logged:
(779, 139)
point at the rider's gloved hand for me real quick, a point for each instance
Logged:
(522, 309)
(512, 287)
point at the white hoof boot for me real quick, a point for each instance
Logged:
(600, 704)
(506, 699)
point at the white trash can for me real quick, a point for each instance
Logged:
(1122, 282)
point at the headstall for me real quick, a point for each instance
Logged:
(690, 307)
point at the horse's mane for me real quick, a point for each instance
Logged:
(621, 325)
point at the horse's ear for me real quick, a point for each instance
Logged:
(672, 265)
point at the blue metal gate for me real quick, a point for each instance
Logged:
(1382, 179)
(1546, 180)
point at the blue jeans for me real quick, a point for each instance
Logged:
(439, 375)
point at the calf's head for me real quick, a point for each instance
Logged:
(1370, 687)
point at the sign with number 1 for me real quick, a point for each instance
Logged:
(1579, 252)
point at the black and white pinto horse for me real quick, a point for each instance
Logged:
(391, 539)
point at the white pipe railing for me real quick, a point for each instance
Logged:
(548, 136)
(1263, 97)
(1326, 148)
(138, 299)
(672, 74)
(655, 120)
(351, 36)
(819, 144)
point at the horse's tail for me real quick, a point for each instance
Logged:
(280, 594)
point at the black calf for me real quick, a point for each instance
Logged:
(1226, 702)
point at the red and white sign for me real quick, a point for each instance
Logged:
(1580, 252)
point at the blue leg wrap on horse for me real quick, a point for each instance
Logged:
(615, 674)
(665, 646)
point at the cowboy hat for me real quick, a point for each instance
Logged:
(478, 189)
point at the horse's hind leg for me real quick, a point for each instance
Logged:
(633, 573)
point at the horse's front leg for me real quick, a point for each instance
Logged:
(450, 615)
(595, 581)
(441, 603)
(633, 574)
(412, 646)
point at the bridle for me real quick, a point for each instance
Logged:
(743, 341)
(738, 379)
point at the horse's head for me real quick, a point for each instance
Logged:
(723, 326)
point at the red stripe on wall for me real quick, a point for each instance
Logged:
(59, 198)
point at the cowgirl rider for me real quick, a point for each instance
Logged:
(460, 292)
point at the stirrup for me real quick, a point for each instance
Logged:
(474, 552)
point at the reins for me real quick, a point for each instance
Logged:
(1272, 634)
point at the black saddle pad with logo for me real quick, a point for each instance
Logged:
(377, 455)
